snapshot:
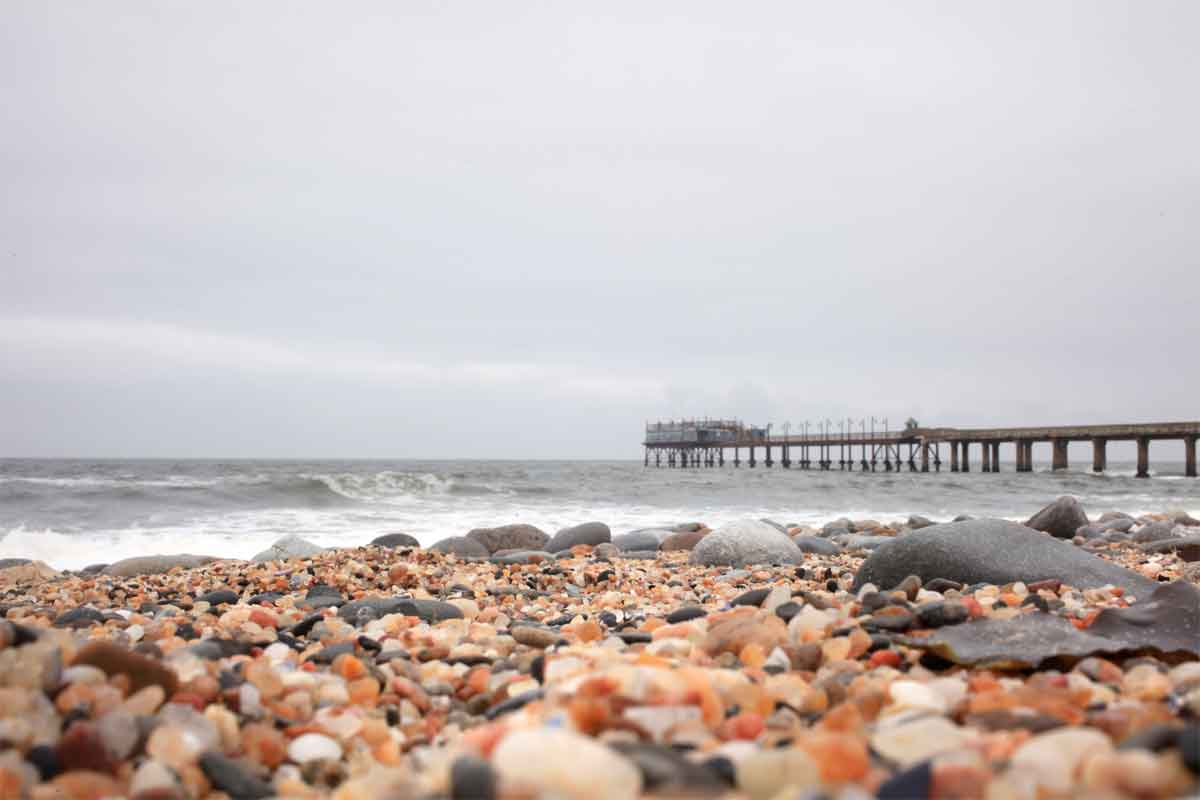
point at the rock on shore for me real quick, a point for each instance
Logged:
(745, 542)
(991, 551)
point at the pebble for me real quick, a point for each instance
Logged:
(313, 747)
(767, 773)
(560, 763)
(233, 778)
(472, 778)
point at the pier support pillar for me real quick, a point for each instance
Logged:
(966, 457)
(1143, 470)
(1099, 455)
(753, 463)
(737, 458)
(924, 457)
(1020, 456)
(721, 457)
(769, 462)
(995, 456)
(1060, 454)
(985, 457)
(954, 456)
(1189, 456)
(787, 457)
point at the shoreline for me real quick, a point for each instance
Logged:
(400, 671)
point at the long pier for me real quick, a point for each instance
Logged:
(704, 442)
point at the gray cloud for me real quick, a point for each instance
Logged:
(520, 230)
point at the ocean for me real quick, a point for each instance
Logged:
(71, 513)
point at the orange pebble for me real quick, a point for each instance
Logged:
(364, 691)
(884, 658)
(348, 667)
(752, 655)
(263, 618)
(745, 726)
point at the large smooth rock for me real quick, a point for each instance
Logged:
(510, 537)
(1154, 532)
(154, 565)
(394, 540)
(1060, 519)
(460, 546)
(645, 539)
(290, 546)
(28, 573)
(747, 541)
(991, 551)
(588, 533)
(1186, 547)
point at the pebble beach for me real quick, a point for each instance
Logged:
(865, 658)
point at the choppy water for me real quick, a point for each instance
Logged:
(70, 513)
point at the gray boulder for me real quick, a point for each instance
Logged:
(687, 527)
(1109, 516)
(290, 546)
(645, 539)
(1154, 532)
(745, 542)
(991, 551)
(1120, 524)
(916, 522)
(154, 565)
(1186, 547)
(591, 533)
(1060, 519)
(510, 537)
(841, 523)
(5, 563)
(460, 546)
(815, 544)
(395, 540)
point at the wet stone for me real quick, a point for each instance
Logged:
(754, 597)
(218, 597)
(686, 613)
(472, 778)
(233, 778)
(82, 617)
(939, 614)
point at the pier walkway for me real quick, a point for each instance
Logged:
(704, 442)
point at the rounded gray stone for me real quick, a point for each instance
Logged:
(460, 546)
(745, 542)
(396, 540)
(1060, 519)
(590, 533)
(645, 539)
(992, 551)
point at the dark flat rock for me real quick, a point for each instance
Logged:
(219, 597)
(991, 551)
(233, 777)
(1166, 626)
(815, 544)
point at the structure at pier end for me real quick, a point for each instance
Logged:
(870, 445)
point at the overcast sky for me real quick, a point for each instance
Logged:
(521, 229)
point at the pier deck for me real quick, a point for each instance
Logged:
(703, 443)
